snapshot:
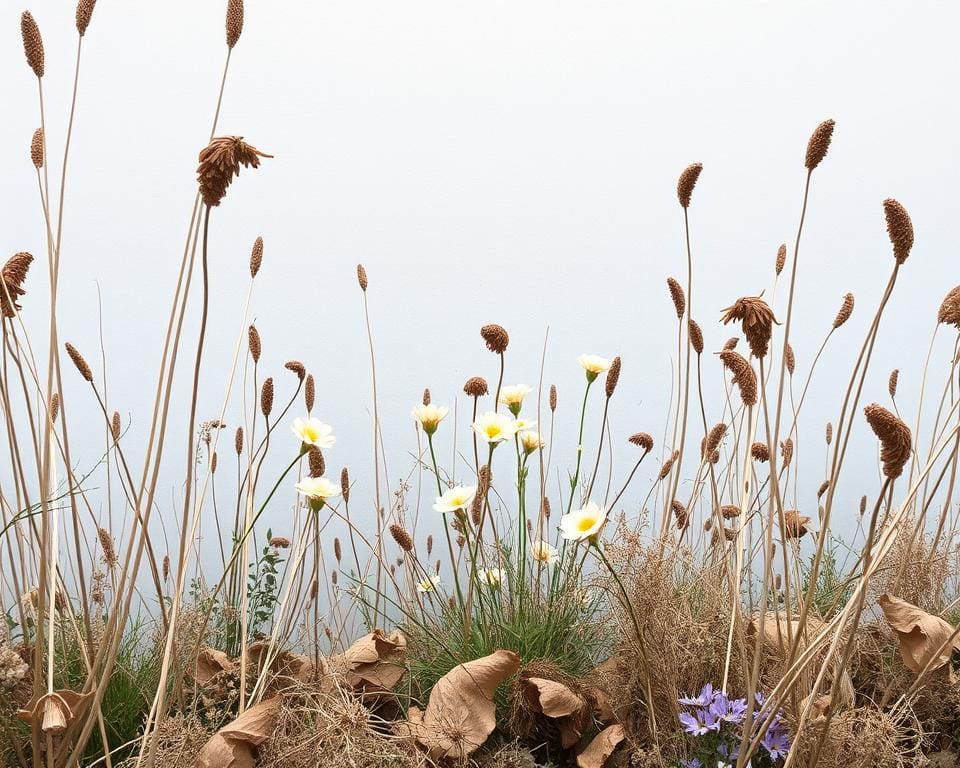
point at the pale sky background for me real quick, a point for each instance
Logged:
(510, 162)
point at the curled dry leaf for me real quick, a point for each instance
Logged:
(461, 712)
(924, 638)
(233, 745)
(283, 664)
(555, 700)
(603, 745)
(376, 662)
(211, 662)
(56, 711)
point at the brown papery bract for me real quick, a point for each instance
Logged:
(899, 229)
(895, 438)
(686, 183)
(818, 144)
(677, 296)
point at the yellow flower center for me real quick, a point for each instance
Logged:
(585, 524)
(310, 434)
(493, 430)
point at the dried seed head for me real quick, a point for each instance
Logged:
(680, 514)
(345, 484)
(295, 366)
(795, 524)
(686, 183)
(729, 511)
(819, 144)
(234, 21)
(238, 440)
(337, 549)
(106, 544)
(949, 312)
(863, 504)
(362, 277)
(32, 43)
(676, 295)
(84, 13)
(545, 508)
(480, 497)
(613, 376)
(318, 467)
(846, 309)
(314, 589)
(220, 161)
(426, 397)
(334, 578)
(12, 277)
(166, 567)
(496, 337)
(781, 258)
(553, 398)
(256, 256)
(642, 440)
(731, 343)
(78, 361)
(778, 582)
(266, 397)
(476, 386)
(823, 488)
(895, 438)
(54, 406)
(708, 525)
(829, 433)
(899, 228)
(429, 544)
(760, 452)
(404, 540)
(893, 381)
(757, 319)
(713, 439)
(253, 343)
(696, 337)
(280, 542)
(213, 463)
(668, 465)
(743, 375)
(786, 450)
(115, 426)
(791, 359)
(36, 149)
(309, 392)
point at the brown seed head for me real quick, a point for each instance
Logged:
(12, 277)
(696, 337)
(54, 406)
(115, 426)
(295, 366)
(863, 504)
(314, 590)
(819, 144)
(899, 228)
(731, 343)
(318, 467)
(32, 43)
(795, 524)
(362, 277)
(846, 309)
(220, 161)
(786, 450)
(791, 359)
(256, 256)
(234, 21)
(213, 463)
(476, 386)
(829, 433)
(668, 465)
(84, 13)
(79, 362)
(266, 397)
(496, 337)
(613, 376)
(676, 295)
(337, 549)
(430, 545)
(280, 542)
(743, 375)
(238, 440)
(36, 149)
(824, 486)
(345, 484)
(757, 319)
(309, 392)
(680, 514)
(895, 438)
(686, 183)
(893, 381)
(713, 438)
(729, 511)
(760, 452)
(426, 397)
(253, 343)
(553, 398)
(106, 544)
(781, 258)
(480, 497)
(642, 440)
(404, 540)
(545, 508)
(949, 312)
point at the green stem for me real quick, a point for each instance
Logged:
(446, 527)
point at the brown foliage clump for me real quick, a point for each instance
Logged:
(864, 736)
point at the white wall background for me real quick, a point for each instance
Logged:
(510, 162)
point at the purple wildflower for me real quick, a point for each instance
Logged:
(704, 699)
(776, 741)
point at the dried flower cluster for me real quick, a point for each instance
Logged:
(220, 161)
(819, 144)
(895, 439)
(496, 337)
(743, 375)
(12, 277)
(899, 228)
(686, 183)
(757, 319)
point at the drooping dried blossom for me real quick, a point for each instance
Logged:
(949, 312)
(642, 440)
(220, 161)
(680, 514)
(824, 487)
(743, 375)
(757, 319)
(895, 439)
(12, 277)
(899, 228)
(496, 338)
(795, 524)
(818, 144)
(32, 43)
(295, 366)
(79, 362)
(677, 296)
(668, 465)
(686, 183)
(476, 386)
(846, 309)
